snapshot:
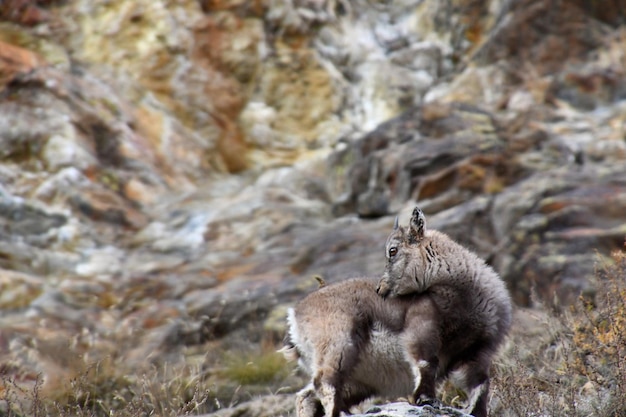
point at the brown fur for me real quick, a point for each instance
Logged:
(438, 308)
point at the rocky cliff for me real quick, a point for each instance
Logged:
(173, 172)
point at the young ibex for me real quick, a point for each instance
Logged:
(438, 308)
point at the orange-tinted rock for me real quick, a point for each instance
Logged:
(245, 7)
(15, 60)
(107, 206)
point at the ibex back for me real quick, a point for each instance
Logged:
(438, 308)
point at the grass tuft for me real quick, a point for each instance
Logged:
(255, 368)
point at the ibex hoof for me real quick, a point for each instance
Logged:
(431, 401)
(423, 400)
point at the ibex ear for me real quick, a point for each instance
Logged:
(395, 224)
(417, 226)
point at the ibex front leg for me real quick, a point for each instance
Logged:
(425, 379)
(476, 382)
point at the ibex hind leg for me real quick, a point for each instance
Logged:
(308, 404)
(330, 377)
(331, 401)
(329, 388)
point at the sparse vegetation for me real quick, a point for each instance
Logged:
(101, 392)
(110, 388)
(576, 367)
(599, 336)
(569, 363)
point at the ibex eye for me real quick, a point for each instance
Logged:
(393, 251)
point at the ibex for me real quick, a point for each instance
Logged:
(437, 309)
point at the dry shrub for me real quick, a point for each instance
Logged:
(574, 364)
(17, 399)
(599, 335)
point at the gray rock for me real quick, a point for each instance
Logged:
(402, 409)
(283, 405)
(266, 406)
(558, 225)
(412, 155)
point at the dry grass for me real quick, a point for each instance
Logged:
(574, 365)
(108, 387)
(100, 392)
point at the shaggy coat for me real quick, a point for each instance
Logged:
(437, 309)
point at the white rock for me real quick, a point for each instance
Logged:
(102, 261)
(62, 150)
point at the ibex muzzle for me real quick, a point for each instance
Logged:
(437, 309)
(398, 251)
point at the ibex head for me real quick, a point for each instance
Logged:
(407, 260)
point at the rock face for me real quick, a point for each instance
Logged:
(172, 173)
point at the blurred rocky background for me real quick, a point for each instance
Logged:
(174, 172)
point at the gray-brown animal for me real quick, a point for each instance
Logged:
(437, 309)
